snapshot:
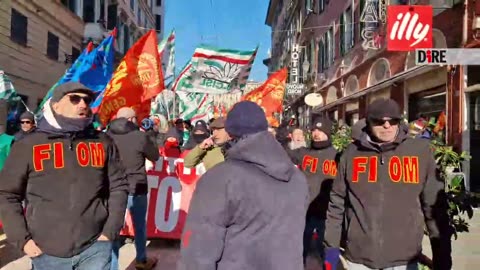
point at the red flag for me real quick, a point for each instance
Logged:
(89, 46)
(136, 81)
(269, 96)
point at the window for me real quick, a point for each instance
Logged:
(70, 4)
(159, 2)
(346, 31)
(101, 18)
(89, 11)
(126, 38)
(18, 28)
(139, 15)
(132, 5)
(308, 6)
(158, 22)
(75, 54)
(321, 56)
(321, 6)
(111, 17)
(52, 46)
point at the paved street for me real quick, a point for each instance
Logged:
(466, 252)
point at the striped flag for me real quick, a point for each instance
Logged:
(167, 45)
(7, 91)
(216, 71)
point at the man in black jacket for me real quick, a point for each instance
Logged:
(388, 188)
(318, 162)
(74, 184)
(134, 146)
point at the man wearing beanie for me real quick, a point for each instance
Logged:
(318, 162)
(134, 147)
(27, 125)
(388, 188)
(249, 211)
(209, 150)
(75, 187)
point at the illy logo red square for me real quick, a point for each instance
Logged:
(409, 27)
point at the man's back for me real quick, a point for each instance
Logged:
(258, 200)
(134, 146)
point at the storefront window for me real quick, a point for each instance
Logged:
(426, 105)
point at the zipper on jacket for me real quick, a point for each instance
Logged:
(382, 161)
(71, 139)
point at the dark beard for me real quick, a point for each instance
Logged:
(321, 145)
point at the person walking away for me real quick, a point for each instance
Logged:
(5, 139)
(74, 184)
(27, 125)
(200, 132)
(319, 163)
(134, 147)
(249, 211)
(388, 187)
(209, 151)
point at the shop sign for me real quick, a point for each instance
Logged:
(409, 27)
(373, 14)
(294, 60)
(294, 88)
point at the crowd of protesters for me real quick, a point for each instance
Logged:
(268, 193)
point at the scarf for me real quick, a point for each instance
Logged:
(321, 145)
(55, 123)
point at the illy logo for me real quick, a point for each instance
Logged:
(409, 27)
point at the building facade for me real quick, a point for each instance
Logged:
(41, 39)
(350, 66)
(37, 38)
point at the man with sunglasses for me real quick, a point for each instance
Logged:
(388, 188)
(27, 125)
(135, 147)
(75, 187)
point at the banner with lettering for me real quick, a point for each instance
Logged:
(171, 187)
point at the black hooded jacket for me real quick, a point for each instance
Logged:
(74, 185)
(247, 212)
(320, 168)
(388, 192)
(134, 146)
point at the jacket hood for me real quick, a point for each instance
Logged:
(263, 151)
(364, 141)
(122, 126)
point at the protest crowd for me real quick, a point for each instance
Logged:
(268, 196)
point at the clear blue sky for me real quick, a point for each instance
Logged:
(230, 24)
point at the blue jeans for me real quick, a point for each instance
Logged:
(96, 257)
(137, 206)
(313, 224)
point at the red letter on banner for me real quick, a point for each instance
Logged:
(40, 153)
(83, 155)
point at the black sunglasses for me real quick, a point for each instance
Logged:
(25, 122)
(381, 122)
(75, 99)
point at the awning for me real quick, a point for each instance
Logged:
(405, 75)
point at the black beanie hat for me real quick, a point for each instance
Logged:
(245, 118)
(323, 124)
(27, 115)
(381, 108)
